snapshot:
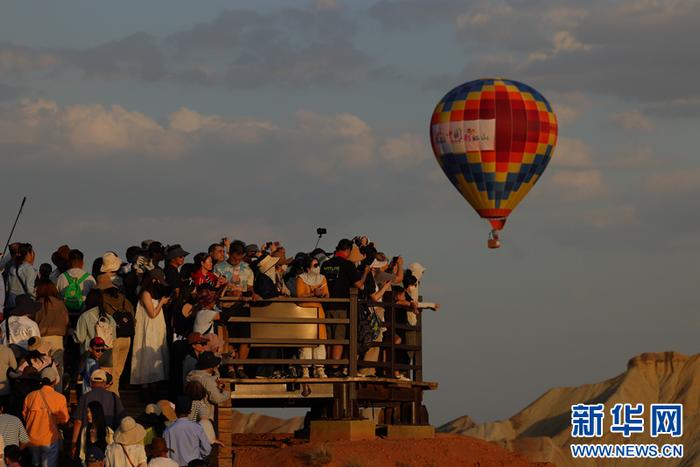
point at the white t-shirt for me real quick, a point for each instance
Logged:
(115, 457)
(162, 462)
(21, 329)
(76, 273)
(204, 322)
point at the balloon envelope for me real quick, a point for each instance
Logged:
(493, 139)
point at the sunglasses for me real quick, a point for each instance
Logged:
(98, 350)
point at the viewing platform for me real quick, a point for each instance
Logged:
(339, 407)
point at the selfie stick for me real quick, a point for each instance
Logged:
(14, 225)
(319, 239)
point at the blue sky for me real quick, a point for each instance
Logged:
(188, 121)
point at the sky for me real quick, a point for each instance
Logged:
(189, 121)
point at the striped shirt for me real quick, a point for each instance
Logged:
(12, 430)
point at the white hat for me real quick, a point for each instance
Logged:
(110, 262)
(417, 269)
(266, 263)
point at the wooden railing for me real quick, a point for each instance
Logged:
(351, 356)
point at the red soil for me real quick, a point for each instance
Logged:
(443, 450)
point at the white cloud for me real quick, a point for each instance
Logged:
(674, 182)
(577, 184)
(632, 120)
(483, 16)
(572, 153)
(568, 106)
(320, 144)
(564, 41)
(405, 150)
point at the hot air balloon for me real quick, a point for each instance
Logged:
(493, 139)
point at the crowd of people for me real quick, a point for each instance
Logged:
(152, 321)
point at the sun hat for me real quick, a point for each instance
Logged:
(266, 262)
(174, 251)
(207, 360)
(110, 262)
(155, 247)
(24, 305)
(167, 409)
(156, 274)
(417, 269)
(39, 344)
(129, 432)
(252, 248)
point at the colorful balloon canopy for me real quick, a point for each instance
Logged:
(493, 139)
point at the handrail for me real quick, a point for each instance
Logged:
(352, 360)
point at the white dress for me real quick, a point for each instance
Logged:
(149, 360)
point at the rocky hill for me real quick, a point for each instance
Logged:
(542, 430)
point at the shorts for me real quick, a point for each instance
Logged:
(337, 331)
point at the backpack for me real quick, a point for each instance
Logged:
(73, 293)
(126, 327)
(103, 329)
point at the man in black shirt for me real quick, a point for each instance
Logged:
(342, 275)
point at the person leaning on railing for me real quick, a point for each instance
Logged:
(311, 283)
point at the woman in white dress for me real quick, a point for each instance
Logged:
(149, 361)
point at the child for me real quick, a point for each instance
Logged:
(91, 363)
(13, 454)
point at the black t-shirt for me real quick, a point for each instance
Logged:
(172, 277)
(341, 275)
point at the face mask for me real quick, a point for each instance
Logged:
(316, 270)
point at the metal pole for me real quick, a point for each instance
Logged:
(24, 200)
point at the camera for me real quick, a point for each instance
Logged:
(321, 231)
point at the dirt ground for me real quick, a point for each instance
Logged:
(442, 451)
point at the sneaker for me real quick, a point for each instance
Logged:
(277, 374)
(305, 373)
(293, 372)
(320, 373)
(401, 377)
(241, 374)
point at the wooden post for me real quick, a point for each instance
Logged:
(223, 418)
(418, 355)
(352, 351)
(392, 350)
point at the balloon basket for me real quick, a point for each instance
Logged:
(493, 241)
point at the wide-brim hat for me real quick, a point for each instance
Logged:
(417, 270)
(39, 344)
(110, 262)
(129, 432)
(207, 360)
(155, 274)
(174, 251)
(168, 410)
(267, 262)
(24, 305)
